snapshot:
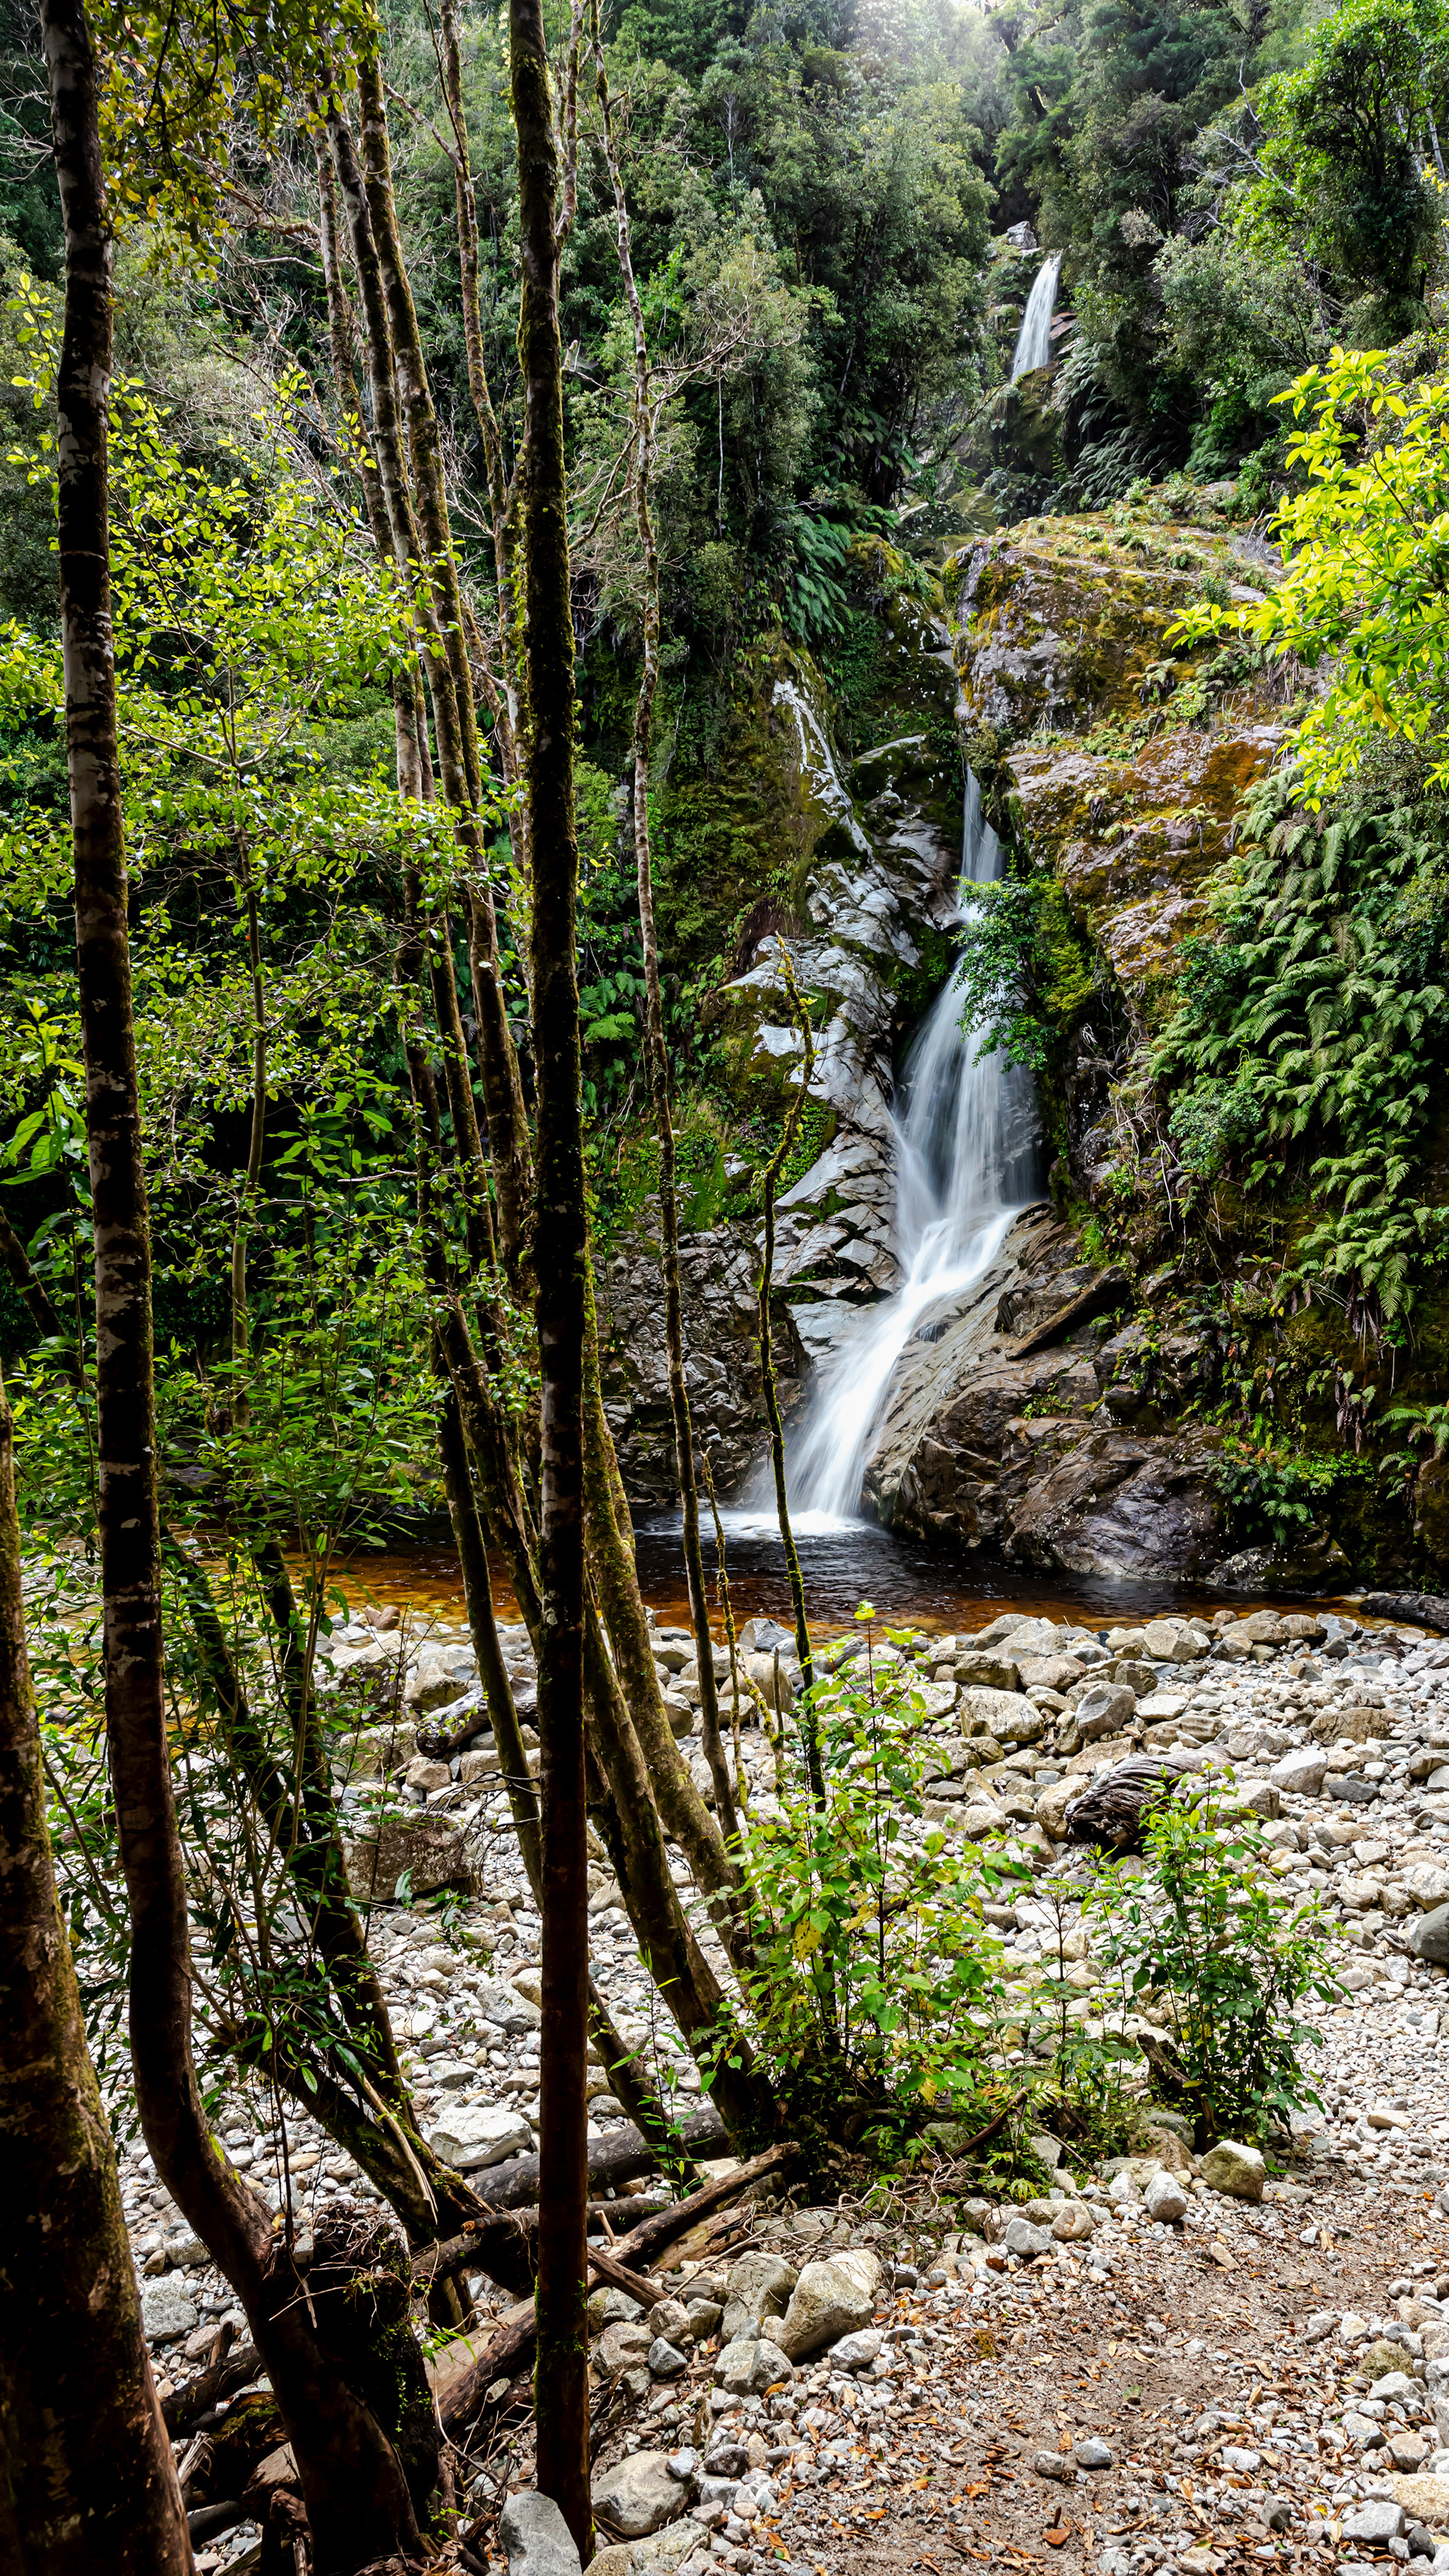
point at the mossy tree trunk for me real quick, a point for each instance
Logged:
(356, 2496)
(560, 1262)
(87, 2481)
(658, 1051)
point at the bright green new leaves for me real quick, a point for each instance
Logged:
(1366, 548)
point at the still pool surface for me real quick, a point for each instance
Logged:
(844, 1562)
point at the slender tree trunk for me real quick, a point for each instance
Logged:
(626, 2070)
(501, 499)
(680, 1804)
(246, 1210)
(357, 2498)
(560, 1248)
(778, 1160)
(658, 1050)
(450, 674)
(87, 2482)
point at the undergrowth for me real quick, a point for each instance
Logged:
(1309, 1041)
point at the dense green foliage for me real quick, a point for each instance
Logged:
(1308, 1047)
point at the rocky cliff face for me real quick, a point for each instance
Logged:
(1040, 1416)
(718, 1278)
(1121, 767)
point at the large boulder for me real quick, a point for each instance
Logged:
(167, 2311)
(429, 1851)
(829, 2300)
(476, 2135)
(536, 2538)
(640, 2494)
(1126, 1505)
(757, 2286)
(998, 1713)
(1050, 637)
(752, 2365)
(1235, 2169)
(1428, 1937)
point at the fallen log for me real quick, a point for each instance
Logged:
(1421, 1609)
(633, 2284)
(510, 2349)
(209, 2519)
(1112, 1811)
(460, 2253)
(620, 2157)
(221, 2378)
(442, 1746)
(470, 2251)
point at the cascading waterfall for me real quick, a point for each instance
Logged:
(1033, 340)
(965, 1166)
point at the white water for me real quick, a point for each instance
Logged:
(1033, 340)
(963, 1170)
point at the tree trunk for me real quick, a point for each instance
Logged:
(356, 2495)
(808, 1731)
(450, 675)
(626, 2070)
(560, 1252)
(256, 1141)
(87, 2481)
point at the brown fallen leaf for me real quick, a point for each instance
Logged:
(1054, 2539)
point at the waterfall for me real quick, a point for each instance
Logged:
(965, 1166)
(1033, 340)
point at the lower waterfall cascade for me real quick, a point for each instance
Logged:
(966, 1155)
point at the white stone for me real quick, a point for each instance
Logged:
(536, 2537)
(830, 2300)
(1165, 2198)
(474, 2134)
(166, 2312)
(1301, 1774)
(639, 2494)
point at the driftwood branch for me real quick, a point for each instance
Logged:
(504, 2355)
(508, 2351)
(1421, 1609)
(647, 2293)
(615, 2159)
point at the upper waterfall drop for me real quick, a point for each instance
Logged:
(1033, 340)
(965, 1167)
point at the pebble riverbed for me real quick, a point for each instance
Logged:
(1233, 2383)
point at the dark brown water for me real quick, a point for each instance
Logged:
(842, 1564)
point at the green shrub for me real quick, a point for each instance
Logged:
(1206, 1928)
(876, 1973)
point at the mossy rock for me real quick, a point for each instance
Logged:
(1067, 622)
